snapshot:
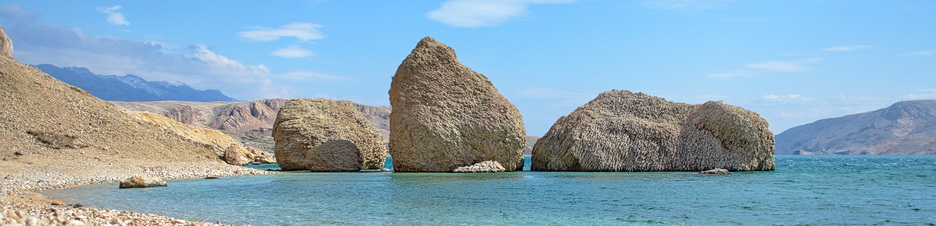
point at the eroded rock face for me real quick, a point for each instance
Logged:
(326, 135)
(625, 131)
(447, 116)
(6, 45)
(718, 135)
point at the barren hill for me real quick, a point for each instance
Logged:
(907, 127)
(53, 129)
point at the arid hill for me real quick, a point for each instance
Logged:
(50, 128)
(907, 127)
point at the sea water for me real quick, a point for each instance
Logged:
(803, 190)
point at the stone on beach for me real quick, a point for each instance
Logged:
(326, 135)
(447, 116)
(625, 131)
(142, 182)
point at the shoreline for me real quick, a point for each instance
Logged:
(21, 203)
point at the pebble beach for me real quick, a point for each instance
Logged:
(21, 205)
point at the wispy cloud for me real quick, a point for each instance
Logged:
(919, 53)
(774, 66)
(921, 94)
(17, 13)
(847, 48)
(484, 13)
(113, 16)
(197, 66)
(298, 30)
(293, 51)
(789, 98)
(785, 66)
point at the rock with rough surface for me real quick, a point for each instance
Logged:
(6, 45)
(142, 182)
(625, 131)
(326, 135)
(481, 167)
(236, 156)
(447, 116)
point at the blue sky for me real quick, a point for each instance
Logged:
(791, 61)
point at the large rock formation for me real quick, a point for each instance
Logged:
(906, 127)
(447, 116)
(6, 45)
(624, 131)
(326, 135)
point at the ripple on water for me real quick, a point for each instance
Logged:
(803, 190)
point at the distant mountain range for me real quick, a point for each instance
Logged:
(907, 127)
(129, 87)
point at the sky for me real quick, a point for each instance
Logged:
(792, 61)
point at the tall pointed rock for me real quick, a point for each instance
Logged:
(446, 116)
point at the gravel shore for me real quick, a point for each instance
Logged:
(20, 205)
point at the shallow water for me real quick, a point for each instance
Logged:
(803, 190)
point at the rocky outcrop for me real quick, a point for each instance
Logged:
(250, 122)
(718, 135)
(625, 131)
(447, 116)
(326, 135)
(142, 182)
(6, 45)
(904, 128)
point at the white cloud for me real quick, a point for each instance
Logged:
(308, 76)
(846, 48)
(298, 30)
(790, 98)
(483, 13)
(197, 66)
(785, 66)
(293, 51)
(919, 53)
(921, 94)
(774, 66)
(114, 17)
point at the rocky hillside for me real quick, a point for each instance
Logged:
(129, 87)
(251, 122)
(907, 127)
(51, 129)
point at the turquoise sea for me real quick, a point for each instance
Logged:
(817, 190)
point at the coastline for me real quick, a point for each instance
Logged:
(20, 204)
